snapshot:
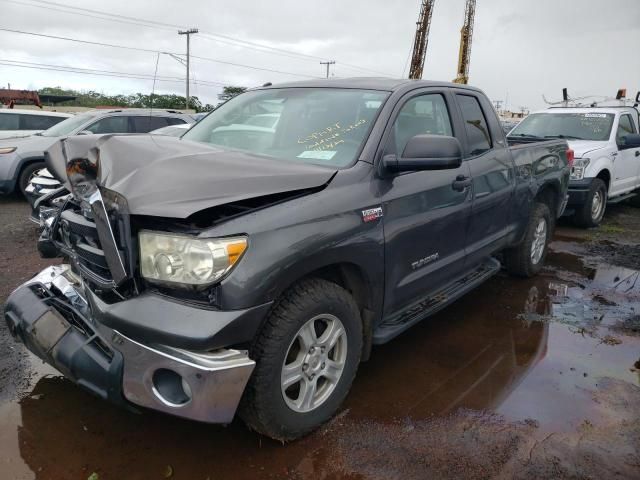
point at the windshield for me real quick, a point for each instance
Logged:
(572, 126)
(67, 126)
(326, 126)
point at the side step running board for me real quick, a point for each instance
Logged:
(621, 198)
(398, 323)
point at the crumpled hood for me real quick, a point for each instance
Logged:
(169, 177)
(582, 147)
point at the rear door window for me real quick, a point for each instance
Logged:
(475, 123)
(38, 122)
(175, 121)
(147, 124)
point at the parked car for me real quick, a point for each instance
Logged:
(204, 277)
(607, 149)
(172, 130)
(508, 125)
(44, 192)
(21, 158)
(22, 123)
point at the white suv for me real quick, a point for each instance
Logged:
(607, 154)
(22, 123)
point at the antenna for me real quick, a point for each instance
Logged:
(153, 89)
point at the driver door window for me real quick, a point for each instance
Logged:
(625, 127)
(425, 114)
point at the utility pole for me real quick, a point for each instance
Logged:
(188, 34)
(331, 62)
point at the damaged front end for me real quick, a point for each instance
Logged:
(103, 324)
(55, 316)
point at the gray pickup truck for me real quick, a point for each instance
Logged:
(251, 268)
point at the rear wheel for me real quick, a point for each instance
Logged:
(306, 358)
(527, 259)
(590, 214)
(27, 174)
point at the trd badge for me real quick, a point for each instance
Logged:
(371, 214)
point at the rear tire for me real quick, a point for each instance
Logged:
(290, 362)
(527, 259)
(26, 174)
(590, 214)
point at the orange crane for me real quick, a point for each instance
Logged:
(421, 40)
(466, 34)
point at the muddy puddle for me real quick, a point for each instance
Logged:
(520, 379)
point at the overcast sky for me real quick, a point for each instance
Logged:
(521, 49)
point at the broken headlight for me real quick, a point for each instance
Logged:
(579, 167)
(189, 260)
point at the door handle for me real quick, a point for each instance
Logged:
(461, 183)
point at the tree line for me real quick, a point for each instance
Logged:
(92, 99)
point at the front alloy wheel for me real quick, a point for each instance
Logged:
(307, 355)
(589, 214)
(314, 363)
(539, 241)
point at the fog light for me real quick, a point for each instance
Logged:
(171, 388)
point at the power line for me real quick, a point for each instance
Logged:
(126, 47)
(88, 42)
(168, 26)
(102, 73)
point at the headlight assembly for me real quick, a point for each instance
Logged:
(7, 150)
(579, 167)
(188, 260)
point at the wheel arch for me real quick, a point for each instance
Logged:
(549, 193)
(24, 163)
(605, 176)
(356, 280)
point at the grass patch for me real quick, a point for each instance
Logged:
(612, 229)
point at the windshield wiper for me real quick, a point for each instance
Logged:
(523, 135)
(568, 137)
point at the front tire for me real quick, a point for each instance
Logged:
(590, 214)
(307, 355)
(27, 174)
(527, 259)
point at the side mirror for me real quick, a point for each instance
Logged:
(426, 152)
(85, 132)
(631, 141)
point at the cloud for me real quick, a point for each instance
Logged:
(520, 49)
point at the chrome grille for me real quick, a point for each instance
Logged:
(92, 244)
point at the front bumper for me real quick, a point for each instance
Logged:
(578, 191)
(7, 186)
(50, 314)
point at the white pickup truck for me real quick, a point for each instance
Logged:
(606, 144)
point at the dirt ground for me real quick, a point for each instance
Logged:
(535, 378)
